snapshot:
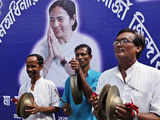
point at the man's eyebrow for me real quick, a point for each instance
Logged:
(122, 38)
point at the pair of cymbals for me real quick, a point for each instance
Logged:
(76, 91)
(25, 100)
(109, 98)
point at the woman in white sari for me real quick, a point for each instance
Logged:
(57, 47)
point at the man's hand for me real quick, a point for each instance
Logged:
(75, 65)
(67, 109)
(33, 109)
(99, 110)
(123, 113)
(94, 101)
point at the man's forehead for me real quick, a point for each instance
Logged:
(82, 49)
(31, 59)
(129, 35)
(31, 63)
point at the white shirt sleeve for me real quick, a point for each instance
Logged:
(55, 100)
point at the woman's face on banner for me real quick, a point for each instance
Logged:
(60, 22)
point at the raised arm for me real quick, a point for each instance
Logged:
(81, 78)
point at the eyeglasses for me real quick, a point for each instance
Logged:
(122, 41)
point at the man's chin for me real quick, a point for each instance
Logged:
(120, 57)
(83, 66)
(31, 76)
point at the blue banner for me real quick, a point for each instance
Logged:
(24, 25)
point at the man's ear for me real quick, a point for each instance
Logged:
(139, 49)
(41, 66)
(91, 56)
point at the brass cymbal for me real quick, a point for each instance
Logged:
(25, 100)
(102, 101)
(103, 93)
(113, 98)
(76, 91)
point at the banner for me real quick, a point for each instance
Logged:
(24, 25)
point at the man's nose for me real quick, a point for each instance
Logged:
(29, 69)
(80, 56)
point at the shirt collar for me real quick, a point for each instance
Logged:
(38, 80)
(132, 68)
(129, 71)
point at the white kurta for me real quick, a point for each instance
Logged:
(45, 94)
(57, 72)
(142, 86)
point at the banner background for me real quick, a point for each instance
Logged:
(95, 20)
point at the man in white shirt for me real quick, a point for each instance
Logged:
(137, 83)
(44, 91)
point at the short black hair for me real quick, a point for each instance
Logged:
(69, 6)
(138, 41)
(84, 46)
(39, 58)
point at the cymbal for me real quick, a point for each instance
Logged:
(103, 93)
(102, 101)
(113, 98)
(25, 100)
(76, 91)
